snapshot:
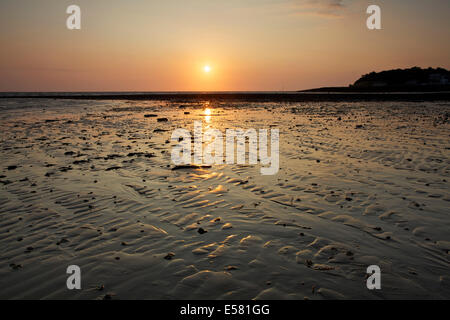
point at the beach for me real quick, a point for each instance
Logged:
(91, 183)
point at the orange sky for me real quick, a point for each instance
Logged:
(256, 45)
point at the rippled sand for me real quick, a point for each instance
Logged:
(91, 184)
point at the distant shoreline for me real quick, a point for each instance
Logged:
(393, 89)
(303, 96)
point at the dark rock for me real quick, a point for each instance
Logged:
(81, 161)
(190, 166)
(113, 168)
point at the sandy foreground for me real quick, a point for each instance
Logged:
(91, 183)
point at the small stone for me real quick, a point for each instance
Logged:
(63, 240)
(230, 268)
(169, 256)
(227, 226)
(16, 266)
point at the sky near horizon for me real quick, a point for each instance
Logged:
(249, 45)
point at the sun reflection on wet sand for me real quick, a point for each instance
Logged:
(207, 114)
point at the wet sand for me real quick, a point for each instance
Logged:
(91, 183)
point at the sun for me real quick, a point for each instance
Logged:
(207, 68)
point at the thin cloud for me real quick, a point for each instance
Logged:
(323, 8)
(320, 8)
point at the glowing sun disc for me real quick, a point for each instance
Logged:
(207, 68)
